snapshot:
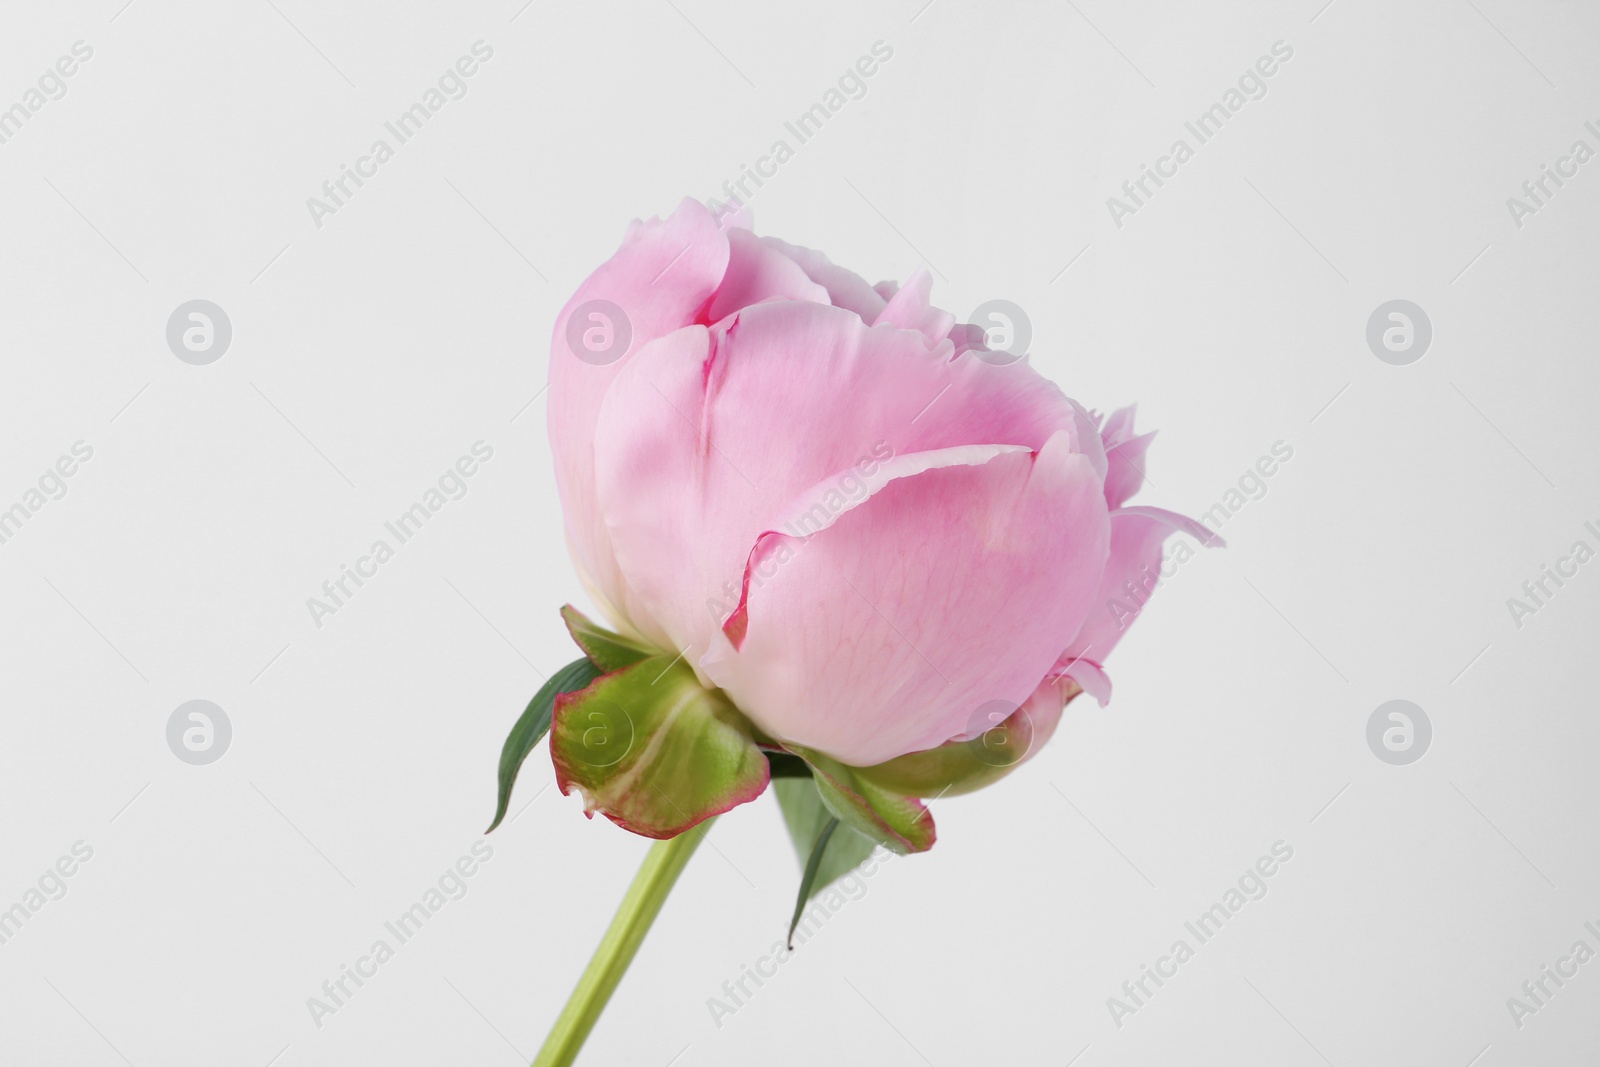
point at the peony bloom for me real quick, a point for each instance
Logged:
(856, 534)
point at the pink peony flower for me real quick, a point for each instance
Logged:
(825, 497)
(846, 551)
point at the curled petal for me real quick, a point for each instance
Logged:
(812, 512)
(1131, 576)
(1089, 677)
(944, 592)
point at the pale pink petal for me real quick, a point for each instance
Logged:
(662, 278)
(757, 273)
(945, 591)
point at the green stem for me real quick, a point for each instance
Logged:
(657, 875)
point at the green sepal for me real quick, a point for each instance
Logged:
(957, 767)
(806, 818)
(899, 823)
(609, 651)
(533, 724)
(653, 750)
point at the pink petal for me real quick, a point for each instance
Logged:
(1119, 426)
(846, 288)
(1044, 710)
(705, 437)
(1085, 435)
(815, 510)
(1090, 678)
(662, 278)
(967, 336)
(945, 591)
(910, 309)
(756, 273)
(1125, 465)
(654, 470)
(1125, 454)
(733, 215)
(1131, 576)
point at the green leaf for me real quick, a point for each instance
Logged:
(809, 877)
(653, 750)
(902, 824)
(807, 817)
(534, 724)
(609, 651)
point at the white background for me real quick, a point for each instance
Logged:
(369, 353)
